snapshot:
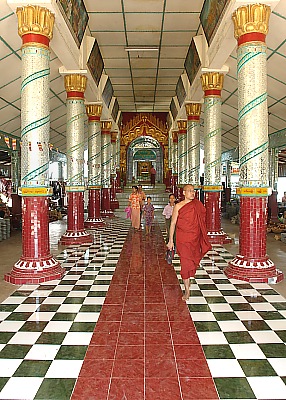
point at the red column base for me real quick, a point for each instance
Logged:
(93, 223)
(114, 204)
(34, 271)
(73, 237)
(219, 238)
(253, 271)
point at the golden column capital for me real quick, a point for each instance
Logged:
(75, 83)
(106, 127)
(193, 110)
(35, 20)
(93, 111)
(182, 125)
(175, 136)
(113, 137)
(252, 18)
(212, 81)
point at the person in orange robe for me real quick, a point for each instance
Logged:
(134, 203)
(191, 235)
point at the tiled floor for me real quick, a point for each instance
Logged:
(57, 342)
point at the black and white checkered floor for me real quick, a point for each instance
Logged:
(45, 329)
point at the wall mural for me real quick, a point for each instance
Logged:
(192, 62)
(210, 16)
(143, 124)
(76, 17)
(95, 63)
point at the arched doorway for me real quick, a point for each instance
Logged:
(143, 152)
(144, 138)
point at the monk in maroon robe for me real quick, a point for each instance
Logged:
(191, 235)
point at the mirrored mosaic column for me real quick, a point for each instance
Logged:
(252, 264)
(193, 144)
(35, 26)
(174, 177)
(118, 175)
(75, 85)
(212, 83)
(113, 200)
(106, 168)
(182, 157)
(94, 219)
(169, 170)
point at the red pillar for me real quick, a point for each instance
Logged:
(105, 203)
(36, 264)
(94, 219)
(114, 203)
(213, 218)
(75, 233)
(252, 264)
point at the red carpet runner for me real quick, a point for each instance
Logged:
(144, 346)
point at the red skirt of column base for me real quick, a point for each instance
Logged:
(36, 264)
(213, 219)
(252, 263)
(75, 234)
(94, 220)
(105, 203)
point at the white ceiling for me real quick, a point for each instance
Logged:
(142, 81)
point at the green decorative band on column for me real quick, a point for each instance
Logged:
(75, 147)
(183, 173)
(250, 106)
(94, 157)
(182, 155)
(194, 147)
(76, 117)
(213, 163)
(35, 76)
(211, 102)
(36, 172)
(106, 162)
(75, 178)
(94, 180)
(35, 125)
(194, 169)
(246, 58)
(213, 133)
(253, 153)
(105, 146)
(94, 135)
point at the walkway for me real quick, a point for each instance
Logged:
(87, 337)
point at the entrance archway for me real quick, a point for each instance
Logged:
(143, 152)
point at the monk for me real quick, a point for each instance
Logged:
(191, 235)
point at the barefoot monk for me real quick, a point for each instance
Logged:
(191, 235)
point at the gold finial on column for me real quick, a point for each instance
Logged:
(251, 18)
(182, 124)
(212, 81)
(93, 110)
(35, 19)
(75, 83)
(193, 109)
(106, 126)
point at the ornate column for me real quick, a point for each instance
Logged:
(118, 177)
(15, 170)
(36, 265)
(212, 83)
(174, 177)
(106, 168)
(94, 219)
(252, 263)
(193, 144)
(113, 200)
(75, 85)
(182, 157)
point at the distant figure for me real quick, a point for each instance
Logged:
(148, 210)
(167, 212)
(189, 219)
(284, 198)
(142, 198)
(153, 176)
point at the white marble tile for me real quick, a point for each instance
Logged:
(231, 326)
(19, 388)
(8, 366)
(265, 337)
(42, 352)
(268, 387)
(77, 338)
(212, 338)
(25, 338)
(246, 351)
(58, 326)
(64, 369)
(225, 368)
